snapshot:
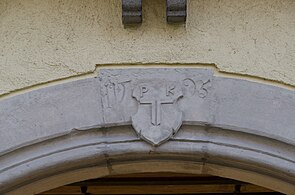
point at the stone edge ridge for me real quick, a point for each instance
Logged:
(119, 145)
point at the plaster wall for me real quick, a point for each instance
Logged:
(47, 40)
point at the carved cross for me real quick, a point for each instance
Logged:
(157, 116)
(156, 109)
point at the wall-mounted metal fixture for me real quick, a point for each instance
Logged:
(176, 11)
(132, 11)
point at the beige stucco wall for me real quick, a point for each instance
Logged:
(47, 40)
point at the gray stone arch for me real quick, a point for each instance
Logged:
(148, 120)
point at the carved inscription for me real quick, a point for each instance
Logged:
(155, 104)
(203, 92)
(199, 87)
(113, 93)
(158, 117)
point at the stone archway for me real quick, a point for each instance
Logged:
(119, 121)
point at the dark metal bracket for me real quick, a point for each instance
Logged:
(176, 11)
(132, 11)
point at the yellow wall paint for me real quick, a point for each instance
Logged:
(47, 40)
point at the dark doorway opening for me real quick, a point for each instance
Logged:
(161, 183)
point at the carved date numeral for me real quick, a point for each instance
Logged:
(196, 87)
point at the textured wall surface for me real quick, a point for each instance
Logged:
(47, 40)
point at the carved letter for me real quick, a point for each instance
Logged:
(169, 90)
(143, 89)
(158, 116)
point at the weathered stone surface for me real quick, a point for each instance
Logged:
(158, 117)
(118, 150)
(49, 112)
(206, 100)
(154, 95)
(153, 100)
(125, 115)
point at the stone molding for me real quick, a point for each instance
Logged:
(135, 115)
(257, 160)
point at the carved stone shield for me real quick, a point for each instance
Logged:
(157, 118)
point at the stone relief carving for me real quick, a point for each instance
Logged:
(151, 101)
(113, 93)
(243, 117)
(200, 87)
(157, 117)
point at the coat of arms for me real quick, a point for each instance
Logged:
(157, 118)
